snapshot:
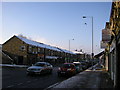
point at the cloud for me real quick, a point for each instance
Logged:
(1, 41)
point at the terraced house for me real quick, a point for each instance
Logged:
(25, 51)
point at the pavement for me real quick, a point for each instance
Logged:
(13, 65)
(93, 78)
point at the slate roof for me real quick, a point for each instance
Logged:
(42, 45)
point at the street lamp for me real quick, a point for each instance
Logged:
(92, 32)
(69, 43)
(69, 46)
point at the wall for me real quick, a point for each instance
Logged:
(13, 48)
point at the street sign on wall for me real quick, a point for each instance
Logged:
(106, 35)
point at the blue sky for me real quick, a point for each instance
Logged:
(55, 23)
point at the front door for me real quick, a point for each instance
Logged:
(20, 60)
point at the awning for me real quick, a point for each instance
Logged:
(100, 54)
(51, 57)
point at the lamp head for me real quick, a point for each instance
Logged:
(84, 16)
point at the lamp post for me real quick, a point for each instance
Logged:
(69, 47)
(92, 34)
(69, 43)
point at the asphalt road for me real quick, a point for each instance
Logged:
(17, 78)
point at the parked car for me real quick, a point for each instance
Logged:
(40, 68)
(78, 66)
(84, 65)
(67, 69)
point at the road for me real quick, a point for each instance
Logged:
(17, 78)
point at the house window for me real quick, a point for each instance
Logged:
(30, 48)
(43, 49)
(22, 48)
(39, 50)
(34, 50)
(52, 53)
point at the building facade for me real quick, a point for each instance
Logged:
(112, 49)
(114, 54)
(25, 51)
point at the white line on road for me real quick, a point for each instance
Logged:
(10, 86)
(19, 83)
(28, 81)
(35, 79)
(52, 86)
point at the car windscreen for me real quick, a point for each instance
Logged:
(40, 64)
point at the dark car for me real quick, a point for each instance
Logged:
(40, 68)
(67, 69)
(78, 66)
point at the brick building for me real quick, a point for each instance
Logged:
(25, 51)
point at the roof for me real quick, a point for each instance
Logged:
(78, 52)
(66, 51)
(37, 44)
(76, 62)
(99, 54)
(42, 45)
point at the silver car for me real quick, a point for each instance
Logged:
(40, 68)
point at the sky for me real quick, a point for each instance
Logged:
(56, 23)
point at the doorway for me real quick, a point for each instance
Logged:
(20, 60)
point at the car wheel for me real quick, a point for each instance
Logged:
(43, 72)
(28, 74)
(59, 75)
(50, 71)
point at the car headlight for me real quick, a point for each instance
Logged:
(28, 69)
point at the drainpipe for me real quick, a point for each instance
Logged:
(116, 82)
